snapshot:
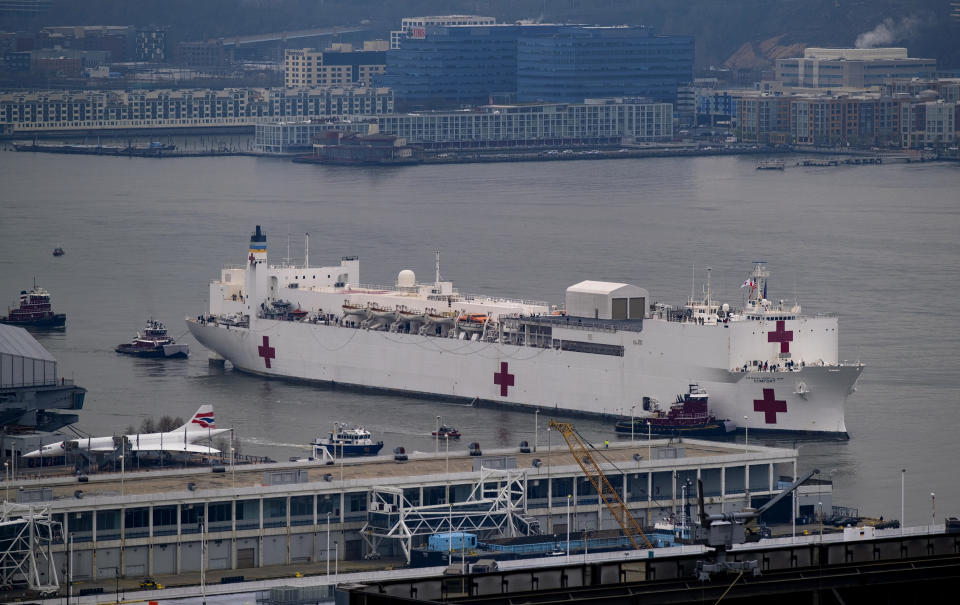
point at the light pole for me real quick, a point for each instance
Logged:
(233, 472)
(568, 524)
(436, 449)
(328, 546)
(336, 561)
(933, 510)
(536, 428)
(446, 440)
(6, 483)
(903, 474)
(203, 563)
(820, 507)
(632, 407)
(746, 434)
(649, 444)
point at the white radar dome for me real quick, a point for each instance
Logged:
(406, 279)
(725, 307)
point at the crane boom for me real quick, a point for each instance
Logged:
(631, 529)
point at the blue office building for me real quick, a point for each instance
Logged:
(462, 66)
(579, 62)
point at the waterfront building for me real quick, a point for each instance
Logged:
(288, 137)
(39, 111)
(300, 512)
(462, 66)
(763, 119)
(717, 106)
(415, 27)
(926, 124)
(579, 62)
(33, 394)
(851, 67)
(596, 122)
(338, 65)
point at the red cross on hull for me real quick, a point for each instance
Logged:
(781, 335)
(769, 406)
(266, 351)
(503, 378)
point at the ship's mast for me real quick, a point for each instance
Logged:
(306, 251)
(708, 286)
(437, 278)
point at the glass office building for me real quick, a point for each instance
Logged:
(583, 62)
(462, 66)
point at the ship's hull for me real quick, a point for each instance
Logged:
(56, 320)
(808, 399)
(166, 351)
(337, 449)
(706, 429)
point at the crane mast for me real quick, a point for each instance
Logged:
(581, 453)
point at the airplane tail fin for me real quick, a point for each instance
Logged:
(202, 420)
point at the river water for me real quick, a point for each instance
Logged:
(143, 237)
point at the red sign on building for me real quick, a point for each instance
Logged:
(418, 33)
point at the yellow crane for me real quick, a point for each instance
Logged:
(581, 453)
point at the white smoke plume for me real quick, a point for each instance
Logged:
(888, 32)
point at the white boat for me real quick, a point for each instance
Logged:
(610, 347)
(347, 440)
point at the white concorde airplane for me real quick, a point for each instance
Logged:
(200, 426)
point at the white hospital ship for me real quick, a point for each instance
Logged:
(765, 366)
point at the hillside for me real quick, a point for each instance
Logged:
(721, 29)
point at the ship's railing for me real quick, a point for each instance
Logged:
(458, 296)
(580, 323)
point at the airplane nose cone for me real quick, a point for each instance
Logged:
(33, 454)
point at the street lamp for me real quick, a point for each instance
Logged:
(746, 437)
(903, 474)
(328, 546)
(536, 428)
(933, 510)
(446, 440)
(632, 407)
(568, 524)
(649, 437)
(436, 449)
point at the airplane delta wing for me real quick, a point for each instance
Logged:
(154, 446)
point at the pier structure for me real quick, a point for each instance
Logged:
(175, 521)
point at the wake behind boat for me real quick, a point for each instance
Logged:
(762, 359)
(154, 342)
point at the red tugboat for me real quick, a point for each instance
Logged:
(447, 432)
(689, 415)
(35, 311)
(154, 342)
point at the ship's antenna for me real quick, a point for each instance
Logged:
(306, 251)
(708, 285)
(437, 253)
(693, 279)
(287, 260)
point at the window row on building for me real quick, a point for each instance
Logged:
(51, 109)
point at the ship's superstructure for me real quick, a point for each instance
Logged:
(765, 365)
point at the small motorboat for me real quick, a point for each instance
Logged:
(447, 432)
(58, 252)
(154, 342)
